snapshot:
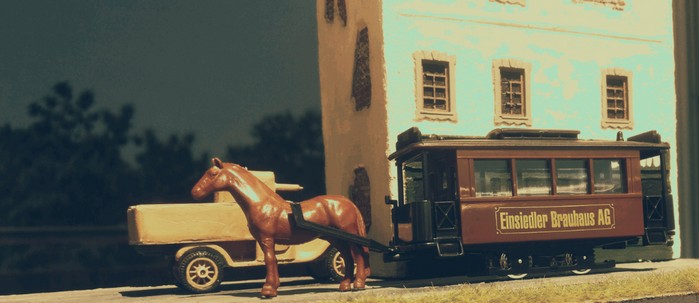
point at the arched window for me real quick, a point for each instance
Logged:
(361, 79)
(360, 194)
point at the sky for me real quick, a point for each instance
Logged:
(208, 67)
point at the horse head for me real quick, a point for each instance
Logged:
(217, 178)
(214, 179)
(226, 177)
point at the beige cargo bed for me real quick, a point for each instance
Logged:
(186, 223)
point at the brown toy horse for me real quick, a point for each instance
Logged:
(268, 219)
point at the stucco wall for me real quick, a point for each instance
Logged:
(355, 138)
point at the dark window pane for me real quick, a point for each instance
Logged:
(413, 176)
(533, 177)
(493, 178)
(571, 177)
(610, 176)
(616, 97)
(512, 89)
(435, 85)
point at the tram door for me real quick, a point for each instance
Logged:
(428, 210)
(657, 201)
(441, 192)
(412, 216)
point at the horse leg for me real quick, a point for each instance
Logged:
(367, 268)
(343, 248)
(358, 256)
(269, 289)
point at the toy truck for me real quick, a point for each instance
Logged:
(204, 238)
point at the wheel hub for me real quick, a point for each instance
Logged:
(202, 273)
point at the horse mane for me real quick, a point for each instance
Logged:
(248, 185)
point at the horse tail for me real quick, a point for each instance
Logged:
(361, 228)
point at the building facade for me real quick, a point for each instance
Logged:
(467, 67)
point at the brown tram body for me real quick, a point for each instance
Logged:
(529, 193)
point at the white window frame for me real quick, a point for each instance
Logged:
(608, 123)
(500, 117)
(425, 114)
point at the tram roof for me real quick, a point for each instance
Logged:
(530, 139)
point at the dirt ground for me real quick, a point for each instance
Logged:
(307, 290)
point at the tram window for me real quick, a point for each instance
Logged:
(652, 163)
(571, 177)
(493, 178)
(413, 185)
(534, 177)
(610, 177)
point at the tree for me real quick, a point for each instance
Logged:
(66, 167)
(167, 169)
(291, 147)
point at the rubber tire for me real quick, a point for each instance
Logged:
(323, 268)
(175, 279)
(205, 256)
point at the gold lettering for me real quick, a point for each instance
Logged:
(532, 220)
(572, 219)
(604, 216)
(568, 219)
(554, 219)
(525, 221)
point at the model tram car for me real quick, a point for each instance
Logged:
(529, 200)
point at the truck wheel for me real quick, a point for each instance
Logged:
(329, 267)
(175, 277)
(200, 270)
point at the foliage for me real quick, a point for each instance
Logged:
(167, 170)
(292, 147)
(67, 167)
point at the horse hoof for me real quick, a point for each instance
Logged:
(345, 286)
(359, 285)
(268, 292)
(269, 295)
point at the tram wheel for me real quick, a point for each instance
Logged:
(584, 257)
(520, 263)
(581, 271)
(517, 276)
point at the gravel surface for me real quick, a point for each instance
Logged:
(307, 290)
